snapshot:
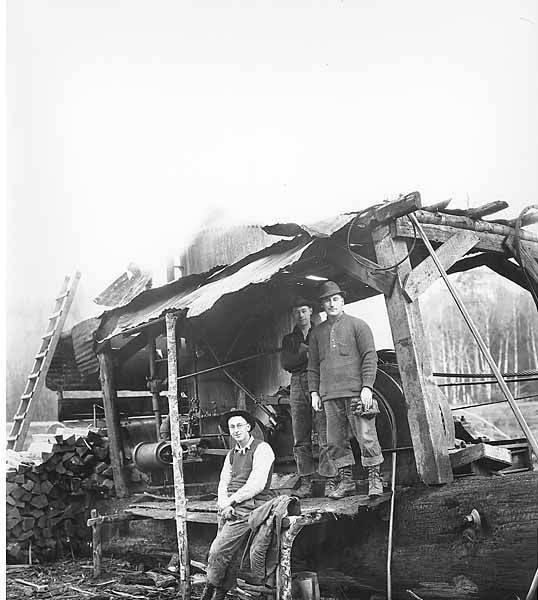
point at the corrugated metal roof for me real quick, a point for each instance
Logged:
(319, 229)
(126, 287)
(196, 299)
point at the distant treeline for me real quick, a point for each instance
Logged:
(507, 319)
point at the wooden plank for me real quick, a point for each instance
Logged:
(389, 211)
(177, 454)
(426, 273)
(430, 420)
(463, 222)
(529, 263)
(496, 457)
(361, 269)
(487, 241)
(106, 376)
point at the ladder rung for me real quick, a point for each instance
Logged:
(12, 438)
(62, 296)
(33, 376)
(48, 335)
(26, 396)
(19, 417)
(55, 315)
(41, 355)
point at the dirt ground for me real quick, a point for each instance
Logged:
(70, 579)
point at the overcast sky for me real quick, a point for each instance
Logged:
(133, 123)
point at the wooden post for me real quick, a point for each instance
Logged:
(179, 486)
(106, 375)
(430, 420)
(96, 544)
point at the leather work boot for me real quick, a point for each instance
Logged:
(208, 592)
(305, 489)
(375, 481)
(346, 487)
(331, 483)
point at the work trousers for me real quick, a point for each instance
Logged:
(304, 420)
(227, 548)
(339, 419)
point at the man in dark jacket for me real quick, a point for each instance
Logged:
(342, 367)
(294, 358)
(244, 485)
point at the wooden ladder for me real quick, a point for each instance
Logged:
(42, 360)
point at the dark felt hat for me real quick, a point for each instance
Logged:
(235, 412)
(301, 301)
(330, 288)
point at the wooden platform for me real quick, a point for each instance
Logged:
(205, 511)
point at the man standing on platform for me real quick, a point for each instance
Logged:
(244, 485)
(342, 367)
(294, 358)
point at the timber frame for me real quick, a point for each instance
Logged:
(399, 269)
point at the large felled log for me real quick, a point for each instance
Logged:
(438, 553)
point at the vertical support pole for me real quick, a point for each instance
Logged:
(177, 455)
(430, 420)
(96, 544)
(154, 385)
(106, 376)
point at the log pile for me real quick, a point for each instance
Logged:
(49, 490)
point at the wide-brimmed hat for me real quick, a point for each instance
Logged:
(330, 288)
(301, 301)
(236, 412)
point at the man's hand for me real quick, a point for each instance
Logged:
(366, 399)
(228, 513)
(316, 401)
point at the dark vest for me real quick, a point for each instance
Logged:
(241, 469)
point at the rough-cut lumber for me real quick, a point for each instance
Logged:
(493, 458)
(106, 375)
(389, 210)
(177, 455)
(97, 549)
(361, 269)
(430, 421)
(426, 273)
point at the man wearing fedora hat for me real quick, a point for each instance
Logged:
(294, 359)
(342, 364)
(244, 485)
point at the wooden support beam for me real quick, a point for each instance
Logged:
(497, 263)
(130, 348)
(389, 211)
(486, 209)
(426, 273)
(177, 455)
(525, 256)
(362, 269)
(487, 241)
(430, 420)
(108, 387)
(494, 458)
(463, 222)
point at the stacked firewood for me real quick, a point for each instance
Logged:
(49, 490)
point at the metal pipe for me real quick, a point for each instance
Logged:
(229, 364)
(476, 334)
(152, 350)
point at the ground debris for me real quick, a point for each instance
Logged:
(72, 579)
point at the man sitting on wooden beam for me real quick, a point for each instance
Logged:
(244, 485)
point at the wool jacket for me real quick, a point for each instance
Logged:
(341, 358)
(293, 357)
